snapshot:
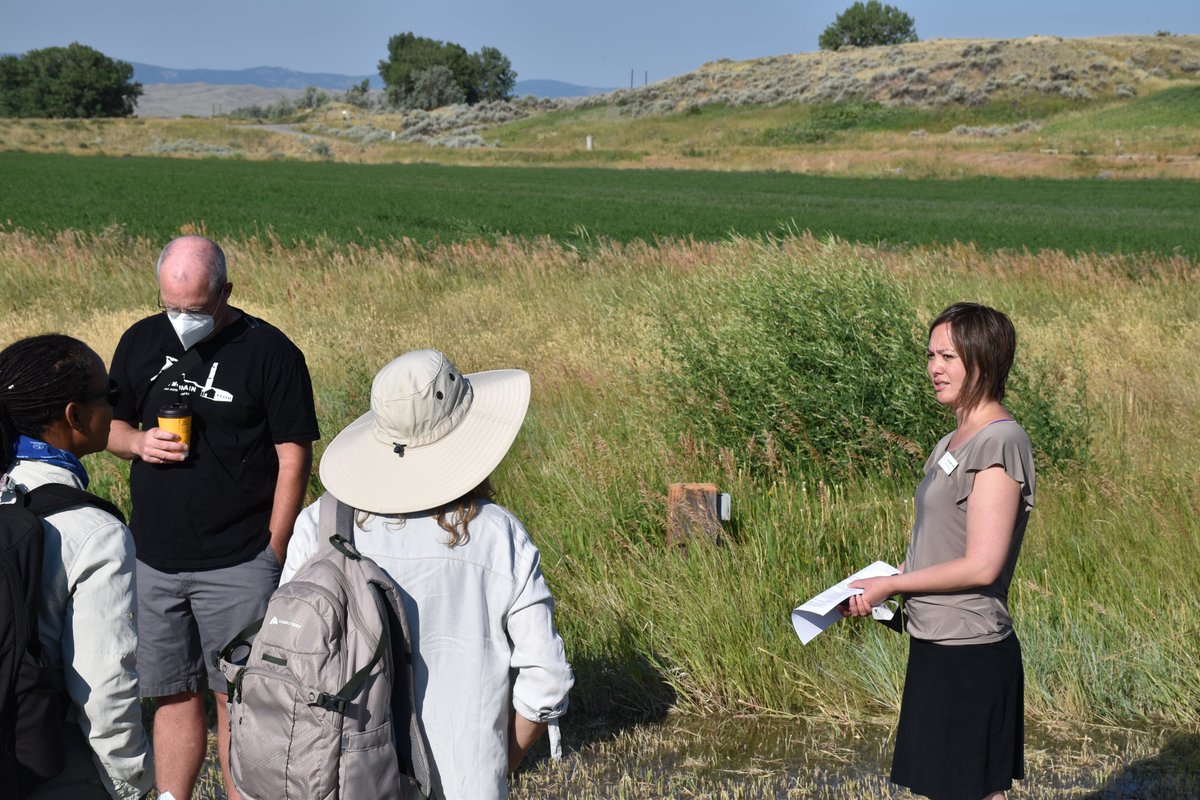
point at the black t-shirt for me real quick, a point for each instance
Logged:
(250, 392)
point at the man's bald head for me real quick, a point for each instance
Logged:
(183, 257)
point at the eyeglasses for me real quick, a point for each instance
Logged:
(202, 310)
(112, 392)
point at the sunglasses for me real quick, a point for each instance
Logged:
(112, 392)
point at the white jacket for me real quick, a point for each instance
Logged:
(484, 643)
(88, 628)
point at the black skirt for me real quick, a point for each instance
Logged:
(962, 720)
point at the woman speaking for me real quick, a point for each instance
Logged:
(961, 729)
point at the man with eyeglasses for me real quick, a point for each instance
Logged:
(211, 519)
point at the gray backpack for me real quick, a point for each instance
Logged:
(322, 707)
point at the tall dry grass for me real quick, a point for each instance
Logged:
(1104, 596)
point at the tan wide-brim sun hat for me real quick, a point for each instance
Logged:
(432, 435)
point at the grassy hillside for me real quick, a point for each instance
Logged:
(1152, 136)
(1107, 107)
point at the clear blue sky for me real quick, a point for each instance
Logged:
(593, 43)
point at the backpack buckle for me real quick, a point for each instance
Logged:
(330, 702)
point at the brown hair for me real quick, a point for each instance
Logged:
(454, 517)
(986, 342)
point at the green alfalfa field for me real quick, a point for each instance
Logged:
(688, 343)
(363, 203)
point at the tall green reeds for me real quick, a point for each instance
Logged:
(817, 367)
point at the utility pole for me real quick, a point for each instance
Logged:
(631, 77)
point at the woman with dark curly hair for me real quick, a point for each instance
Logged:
(56, 404)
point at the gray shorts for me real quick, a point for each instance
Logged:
(185, 617)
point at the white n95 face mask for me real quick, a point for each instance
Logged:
(191, 327)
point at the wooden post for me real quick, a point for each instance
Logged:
(692, 512)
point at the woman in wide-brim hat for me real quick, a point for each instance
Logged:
(416, 467)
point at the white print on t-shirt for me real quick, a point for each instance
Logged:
(186, 388)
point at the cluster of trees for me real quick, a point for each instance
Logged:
(79, 81)
(71, 81)
(868, 24)
(313, 99)
(420, 72)
(358, 95)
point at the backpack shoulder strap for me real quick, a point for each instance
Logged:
(335, 519)
(53, 497)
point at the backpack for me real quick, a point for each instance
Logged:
(32, 707)
(322, 707)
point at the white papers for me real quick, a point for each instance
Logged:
(555, 740)
(166, 796)
(822, 611)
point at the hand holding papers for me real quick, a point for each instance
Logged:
(822, 611)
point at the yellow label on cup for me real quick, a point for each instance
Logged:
(177, 418)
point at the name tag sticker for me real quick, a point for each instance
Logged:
(948, 463)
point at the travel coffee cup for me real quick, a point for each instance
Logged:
(177, 418)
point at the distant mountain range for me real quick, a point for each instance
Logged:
(552, 89)
(280, 78)
(266, 77)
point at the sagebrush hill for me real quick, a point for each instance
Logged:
(1121, 106)
(938, 72)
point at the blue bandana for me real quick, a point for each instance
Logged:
(30, 449)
